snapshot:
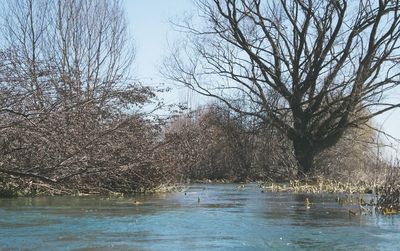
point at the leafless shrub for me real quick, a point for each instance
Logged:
(69, 115)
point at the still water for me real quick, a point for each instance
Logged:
(204, 217)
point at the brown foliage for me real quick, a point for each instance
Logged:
(69, 117)
(215, 143)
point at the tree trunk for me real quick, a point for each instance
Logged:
(304, 154)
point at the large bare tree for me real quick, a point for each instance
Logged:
(312, 68)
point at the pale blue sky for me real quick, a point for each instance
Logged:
(151, 30)
(150, 25)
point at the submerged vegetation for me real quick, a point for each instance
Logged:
(389, 200)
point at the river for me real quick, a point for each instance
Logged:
(203, 217)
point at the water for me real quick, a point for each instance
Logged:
(226, 218)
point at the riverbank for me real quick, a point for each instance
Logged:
(383, 198)
(386, 197)
(11, 187)
(17, 187)
(319, 185)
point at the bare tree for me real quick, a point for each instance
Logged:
(309, 67)
(67, 107)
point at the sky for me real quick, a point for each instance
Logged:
(152, 31)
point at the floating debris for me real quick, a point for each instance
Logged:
(307, 203)
(352, 212)
(241, 187)
(137, 203)
(389, 211)
(366, 210)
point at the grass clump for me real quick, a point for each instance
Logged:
(318, 185)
